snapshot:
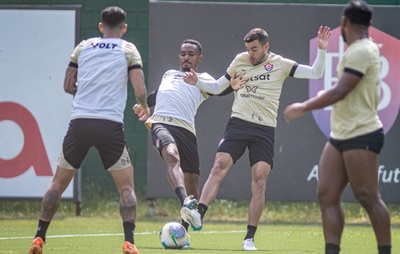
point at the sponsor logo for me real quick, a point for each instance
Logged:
(269, 67)
(389, 46)
(251, 89)
(260, 77)
(103, 45)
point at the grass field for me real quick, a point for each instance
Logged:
(285, 228)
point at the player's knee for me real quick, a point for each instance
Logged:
(327, 197)
(366, 198)
(259, 184)
(171, 155)
(128, 197)
(218, 172)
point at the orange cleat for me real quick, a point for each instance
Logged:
(129, 248)
(37, 246)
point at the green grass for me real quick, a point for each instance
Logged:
(284, 228)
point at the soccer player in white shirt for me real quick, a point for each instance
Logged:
(97, 76)
(172, 124)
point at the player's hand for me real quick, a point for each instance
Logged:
(70, 80)
(293, 111)
(238, 82)
(323, 37)
(190, 77)
(143, 113)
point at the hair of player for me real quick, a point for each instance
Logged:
(113, 17)
(257, 34)
(358, 12)
(194, 42)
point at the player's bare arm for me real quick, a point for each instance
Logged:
(70, 80)
(323, 99)
(137, 79)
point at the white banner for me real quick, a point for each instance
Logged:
(34, 109)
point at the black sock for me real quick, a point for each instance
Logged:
(384, 249)
(129, 228)
(251, 231)
(331, 248)
(202, 209)
(42, 229)
(185, 225)
(181, 193)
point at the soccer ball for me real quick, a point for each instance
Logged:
(173, 236)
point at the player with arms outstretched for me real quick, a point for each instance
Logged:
(253, 120)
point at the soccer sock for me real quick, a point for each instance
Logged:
(185, 225)
(202, 209)
(331, 248)
(384, 249)
(129, 228)
(251, 231)
(181, 193)
(42, 229)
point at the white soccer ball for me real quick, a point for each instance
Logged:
(173, 236)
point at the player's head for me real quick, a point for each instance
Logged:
(358, 14)
(190, 55)
(113, 19)
(257, 45)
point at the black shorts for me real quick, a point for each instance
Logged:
(186, 141)
(107, 136)
(240, 134)
(372, 141)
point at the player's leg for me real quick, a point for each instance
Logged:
(332, 180)
(230, 149)
(74, 150)
(259, 175)
(52, 197)
(190, 162)
(261, 156)
(110, 141)
(164, 141)
(123, 179)
(222, 164)
(192, 184)
(50, 203)
(362, 171)
(170, 155)
(190, 165)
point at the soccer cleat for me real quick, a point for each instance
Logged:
(248, 244)
(129, 248)
(37, 246)
(192, 217)
(190, 202)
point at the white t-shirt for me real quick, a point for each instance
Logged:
(103, 77)
(177, 102)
